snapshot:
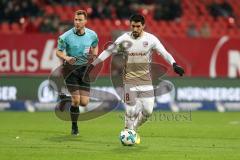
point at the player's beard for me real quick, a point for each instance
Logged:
(135, 34)
(78, 29)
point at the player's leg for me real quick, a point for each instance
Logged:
(74, 110)
(138, 110)
(63, 73)
(80, 97)
(130, 116)
(147, 109)
(73, 87)
(64, 102)
(130, 106)
(84, 100)
(146, 103)
(84, 89)
(144, 108)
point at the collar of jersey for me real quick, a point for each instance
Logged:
(138, 37)
(75, 32)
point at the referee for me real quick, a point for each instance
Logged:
(76, 47)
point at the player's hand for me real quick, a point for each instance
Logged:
(70, 60)
(178, 69)
(91, 58)
(86, 75)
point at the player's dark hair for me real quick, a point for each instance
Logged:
(81, 12)
(137, 18)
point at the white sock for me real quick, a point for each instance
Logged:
(130, 116)
(145, 112)
(129, 122)
(140, 120)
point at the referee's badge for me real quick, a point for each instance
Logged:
(145, 44)
(87, 49)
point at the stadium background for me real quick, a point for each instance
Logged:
(202, 35)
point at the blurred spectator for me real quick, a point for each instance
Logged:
(147, 2)
(192, 30)
(160, 13)
(100, 10)
(175, 9)
(107, 9)
(205, 31)
(167, 10)
(30, 8)
(227, 8)
(95, 12)
(49, 25)
(64, 26)
(12, 11)
(63, 2)
(223, 8)
(31, 27)
(124, 10)
(1, 11)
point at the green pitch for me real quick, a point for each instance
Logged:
(41, 136)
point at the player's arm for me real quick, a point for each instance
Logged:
(94, 52)
(112, 48)
(60, 52)
(168, 57)
(94, 48)
(104, 55)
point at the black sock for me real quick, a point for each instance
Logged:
(74, 112)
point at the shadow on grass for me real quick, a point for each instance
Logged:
(120, 149)
(65, 138)
(112, 146)
(80, 139)
(38, 131)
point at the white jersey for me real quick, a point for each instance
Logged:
(138, 53)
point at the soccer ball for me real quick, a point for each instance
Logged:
(128, 137)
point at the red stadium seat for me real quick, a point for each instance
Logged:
(49, 10)
(59, 9)
(5, 28)
(16, 28)
(193, 11)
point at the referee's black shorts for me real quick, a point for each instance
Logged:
(73, 77)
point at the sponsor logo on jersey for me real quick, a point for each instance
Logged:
(145, 44)
(137, 54)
